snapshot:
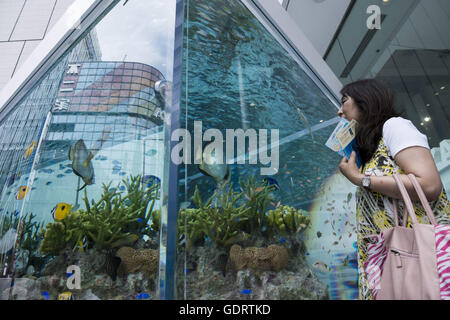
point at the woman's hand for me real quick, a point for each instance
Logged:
(350, 170)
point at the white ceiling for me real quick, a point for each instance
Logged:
(318, 19)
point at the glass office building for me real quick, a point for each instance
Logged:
(107, 188)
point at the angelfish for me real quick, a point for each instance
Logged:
(305, 121)
(81, 162)
(81, 158)
(210, 166)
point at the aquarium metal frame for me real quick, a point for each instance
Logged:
(278, 22)
(58, 40)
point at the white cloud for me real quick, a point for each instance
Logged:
(141, 31)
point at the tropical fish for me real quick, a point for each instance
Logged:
(305, 121)
(60, 175)
(82, 245)
(60, 211)
(65, 296)
(210, 165)
(11, 180)
(185, 205)
(81, 158)
(7, 241)
(68, 171)
(246, 291)
(143, 296)
(46, 295)
(321, 266)
(151, 152)
(30, 149)
(272, 182)
(81, 162)
(48, 183)
(22, 192)
(276, 205)
(150, 180)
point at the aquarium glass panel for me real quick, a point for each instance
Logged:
(262, 211)
(82, 165)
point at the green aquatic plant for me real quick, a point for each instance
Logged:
(229, 217)
(222, 224)
(258, 198)
(30, 236)
(288, 220)
(113, 221)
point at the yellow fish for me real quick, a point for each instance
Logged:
(65, 296)
(22, 192)
(61, 210)
(30, 149)
(82, 245)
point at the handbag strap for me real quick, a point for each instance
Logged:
(406, 199)
(423, 198)
(405, 213)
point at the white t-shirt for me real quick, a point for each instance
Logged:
(400, 133)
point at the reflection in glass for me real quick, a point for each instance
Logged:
(81, 173)
(242, 234)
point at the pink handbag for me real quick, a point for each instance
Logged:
(410, 263)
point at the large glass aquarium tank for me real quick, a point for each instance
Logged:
(175, 150)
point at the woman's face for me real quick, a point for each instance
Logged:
(349, 110)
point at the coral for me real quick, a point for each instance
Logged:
(271, 258)
(222, 224)
(54, 236)
(145, 260)
(288, 220)
(112, 221)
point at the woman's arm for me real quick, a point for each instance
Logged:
(415, 160)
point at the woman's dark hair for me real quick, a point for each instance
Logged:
(375, 102)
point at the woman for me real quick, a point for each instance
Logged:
(388, 144)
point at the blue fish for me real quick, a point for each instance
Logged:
(60, 175)
(282, 240)
(246, 291)
(68, 171)
(142, 296)
(47, 170)
(116, 162)
(46, 295)
(272, 182)
(139, 220)
(122, 188)
(11, 180)
(61, 167)
(150, 180)
(151, 152)
(48, 183)
(122, 173)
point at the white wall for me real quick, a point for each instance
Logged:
(23, 25)
(318, 19)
